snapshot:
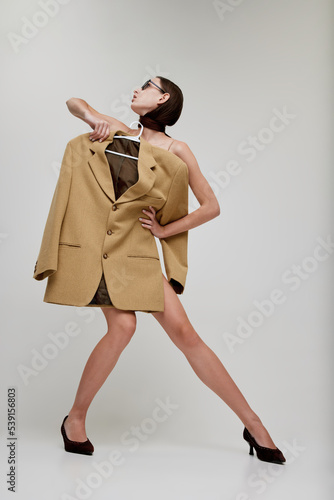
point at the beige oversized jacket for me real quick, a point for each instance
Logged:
(87, 231)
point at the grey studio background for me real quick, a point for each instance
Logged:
(256, 77)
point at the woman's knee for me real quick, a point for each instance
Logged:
(186, 336)
(121, 324)
(127, 324)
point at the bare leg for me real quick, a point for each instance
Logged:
(206, 364)
(121, 327)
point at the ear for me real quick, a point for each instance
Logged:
(163, 98)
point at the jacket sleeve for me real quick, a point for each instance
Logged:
(175, 248)
(47, 260)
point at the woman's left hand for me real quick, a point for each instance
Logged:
(152, 223)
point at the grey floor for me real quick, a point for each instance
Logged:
(161, 470)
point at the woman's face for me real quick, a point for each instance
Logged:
(148, 99)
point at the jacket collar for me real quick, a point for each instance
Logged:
(100, 167)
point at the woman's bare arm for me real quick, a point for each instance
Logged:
(101, 124)
(209, 208)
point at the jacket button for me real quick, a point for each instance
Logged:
(114, 207)
(109, 232)
(105, 255)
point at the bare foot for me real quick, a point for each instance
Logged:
(75, 429)
(260, 434)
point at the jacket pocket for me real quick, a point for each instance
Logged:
(147, 200)
(145, 197)
(64, 243)
(144, 257)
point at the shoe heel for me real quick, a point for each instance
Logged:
(251, 450)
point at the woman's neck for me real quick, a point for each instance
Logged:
(152, 135)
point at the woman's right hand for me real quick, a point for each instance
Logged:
(101, 130)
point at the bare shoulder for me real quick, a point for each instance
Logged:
(183, 151)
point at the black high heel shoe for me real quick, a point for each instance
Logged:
(83, 447)
(273, 455)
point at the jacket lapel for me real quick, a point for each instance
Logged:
(100, 167)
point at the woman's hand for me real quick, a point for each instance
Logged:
(101, 130)
(100, 123)
(152, 223)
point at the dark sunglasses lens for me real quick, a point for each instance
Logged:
(145, 85)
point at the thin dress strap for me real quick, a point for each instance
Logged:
(171, 144)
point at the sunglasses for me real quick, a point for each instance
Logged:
(146, 84)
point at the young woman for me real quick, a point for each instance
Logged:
(159, 103)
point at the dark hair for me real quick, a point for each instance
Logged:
(168, 112)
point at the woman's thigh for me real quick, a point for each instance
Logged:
(174, 319)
